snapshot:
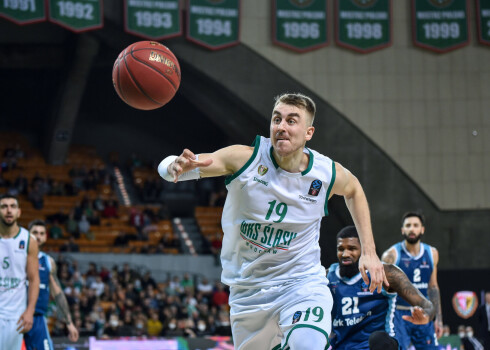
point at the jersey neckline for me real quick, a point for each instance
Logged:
(304, 172)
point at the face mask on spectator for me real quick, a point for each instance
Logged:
(445, 334)
(201, 327)
(461, 334)
(171, 325)
(139, 325)
(114, 323)
(469, 334)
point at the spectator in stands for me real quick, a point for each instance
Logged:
(154, 326)
(55, 231)
(110, 210)
(112, 329)
(469, 341)
(220, 297)
(36, 196)
(70, 246)
(216, 244)
(84, 228)
(21, 184)
(218, 198)
(97, 286)
(205, 287)
(187, 283)
(98, 203)
(72, 225)
(58, 189)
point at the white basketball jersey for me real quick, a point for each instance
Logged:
(13, 262)
(271, 219)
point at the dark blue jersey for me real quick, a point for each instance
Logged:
(357, 312)
(44, 271)
(417, 268)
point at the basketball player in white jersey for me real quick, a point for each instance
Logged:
(18, 263)
(277, 195)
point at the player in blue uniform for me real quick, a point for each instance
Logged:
(419, 262)
(362, 319)
(38, 337)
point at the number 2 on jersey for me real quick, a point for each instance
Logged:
(281, 210)
(350, 305)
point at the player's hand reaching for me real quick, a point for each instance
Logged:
(418, 316)
(438, 329)
(25, 322)
(371, 263)
(72, 332)
(186, 162)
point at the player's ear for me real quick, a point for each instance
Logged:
(309, 132)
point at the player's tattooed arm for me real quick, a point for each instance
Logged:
(434, 294)
(389, 256)
(58, 295)
(400, 284)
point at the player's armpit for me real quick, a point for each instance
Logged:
(400, 284)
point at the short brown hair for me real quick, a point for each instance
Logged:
(297, 100)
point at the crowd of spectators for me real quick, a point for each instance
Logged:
(124, 302)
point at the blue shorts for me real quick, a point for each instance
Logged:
(422, 337)
(38, 337)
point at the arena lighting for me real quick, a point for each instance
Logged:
(184, 235)
(122, 187)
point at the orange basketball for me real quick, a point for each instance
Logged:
(146, 75)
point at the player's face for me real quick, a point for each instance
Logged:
(348, 251)
(412, 229)
(290, 129)
(39, 232)
(9, 211)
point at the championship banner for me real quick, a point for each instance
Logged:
(483, 20)
(440, 25)
(76, 15)
(152, 19)
(214, 24)
(23, 11)
(363, 25)
(300, 25)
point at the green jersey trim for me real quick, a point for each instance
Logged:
(277, 347)
(28, 241)
(286, 346)
(332, 180)
(304, 172)
(310, 164)
(256, 145)
(17, 235)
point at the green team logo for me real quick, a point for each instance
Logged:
(215, 2)
(262, 170)
(301, 3)
(441, 3)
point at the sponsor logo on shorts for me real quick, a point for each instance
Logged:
(297, 316)
(315, 187)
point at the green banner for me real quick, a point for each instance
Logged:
(300, 25)
(363, 25)
(483, 18)
(214, 24)
(440, 25)
(76, 15)
(153, 19)
(23, 11)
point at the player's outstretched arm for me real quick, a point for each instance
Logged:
(61, 302)
(348, 186)
(32, 270)
(423, 310)
(434, 294)
(189, 166)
